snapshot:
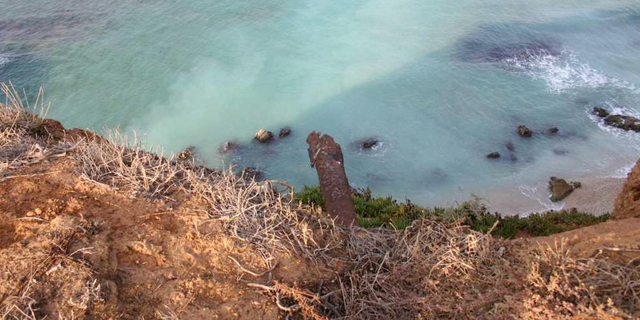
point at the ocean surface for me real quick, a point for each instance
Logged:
(440, 83)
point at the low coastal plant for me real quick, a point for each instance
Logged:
(390, 213)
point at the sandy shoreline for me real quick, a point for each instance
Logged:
(596, 196)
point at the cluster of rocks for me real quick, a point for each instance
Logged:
(523, 132)
(265, 136)
(619, 121)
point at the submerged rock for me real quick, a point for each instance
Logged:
(561, 189)
(493, 155)
(524, 132)
(510, 146)
(600, 112)
(473, 50)
(553, 131)
(628, 123)
(228, 147)
(560, 152)
(251, 173)
(285, 132)
(264, 136)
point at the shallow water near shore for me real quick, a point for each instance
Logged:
(439, 83)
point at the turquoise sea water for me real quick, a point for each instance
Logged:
(440, 83)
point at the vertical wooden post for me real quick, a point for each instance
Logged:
(326, 156)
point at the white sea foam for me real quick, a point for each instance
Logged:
(4, 59)
(564, 72)
(623, 172)
(536, 193)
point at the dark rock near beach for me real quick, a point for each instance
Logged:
(510, 146)
(285, 132)
(628, 123)
(561, 189)
(187, 154)
(553, 131)
(264, 136)
(524, 132)
(493, 155)
(228, 147)
(600, 112)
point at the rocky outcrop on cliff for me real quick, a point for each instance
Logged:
(628, 201)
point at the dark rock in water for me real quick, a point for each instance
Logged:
(228, 147)
(524, 132)
(553, 131)
(285, 132)
(582, 101)
(251, 173)
(368, 143)
(48, 128)
(510, 146)
(264, 136)
(187, 153)
(628, 123)
(561, 189)
(560, 152)
(493, 155)
(600, 112)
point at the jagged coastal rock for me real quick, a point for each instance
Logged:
(264, 136)
(524, 132)
(600, 112)
(628, 201)
(627, 123)
(228, 147)
(369, 143)
(493, 155)
(561, 189)
(285, 132)
(619, 121)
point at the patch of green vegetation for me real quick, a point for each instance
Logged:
(389, 213)
(536, 225)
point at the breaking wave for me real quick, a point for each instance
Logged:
(563, 72)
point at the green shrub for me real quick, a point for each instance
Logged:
(386, 212)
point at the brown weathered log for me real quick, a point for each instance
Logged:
(326, 156)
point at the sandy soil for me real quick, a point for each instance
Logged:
(146, 256)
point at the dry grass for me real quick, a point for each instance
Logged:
(426, 271)
(45, 270)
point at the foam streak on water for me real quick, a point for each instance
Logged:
(565, 72)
